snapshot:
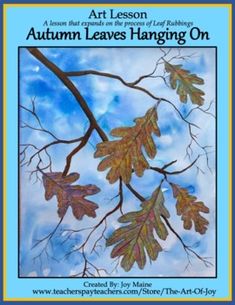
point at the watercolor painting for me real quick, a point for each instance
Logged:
(117, 162)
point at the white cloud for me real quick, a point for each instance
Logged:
(46, 271)
(36, 69)
(32, 274)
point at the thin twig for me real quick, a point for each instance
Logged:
(164, 172)
(186, 247)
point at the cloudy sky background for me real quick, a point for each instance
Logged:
(113, 105)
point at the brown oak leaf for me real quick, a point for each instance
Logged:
(126, 154)
(70, 195)
(189, 209)
(53, 182)
(184, 82)
(136, 239)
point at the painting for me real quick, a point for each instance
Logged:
(117, 162)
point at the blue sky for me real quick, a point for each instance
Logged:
(113, 105)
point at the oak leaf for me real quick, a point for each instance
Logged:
(189, 209)
(70, 195)
(53, 182)
(124, 154)
(184, 82)
(136, 239)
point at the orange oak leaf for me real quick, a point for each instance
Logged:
(137, 239)
(126, 154)
(189, 209)
(70, 195)
(184, 82)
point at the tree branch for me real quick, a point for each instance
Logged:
(39, 150)
(83, 142)
(165, 173)
(206, 111)
(34, 114)
(66, 81)
(129, 85)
